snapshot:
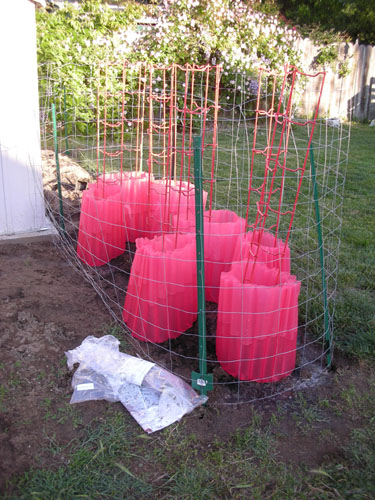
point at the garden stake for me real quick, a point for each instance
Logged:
(62, 224)
(327, 332)
(202, 380)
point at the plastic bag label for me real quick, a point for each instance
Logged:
(201, 382)
(85, 387)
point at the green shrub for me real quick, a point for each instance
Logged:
(77, 40)
(73, 42)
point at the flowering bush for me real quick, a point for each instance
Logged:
(218, 31)
(73, 41)
(229, 32)
(87, 33)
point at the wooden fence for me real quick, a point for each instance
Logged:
(351, 96)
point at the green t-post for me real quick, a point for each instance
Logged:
(62, 224)
(327, 331)
(201, 380)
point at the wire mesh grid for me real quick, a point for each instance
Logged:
(272, 216)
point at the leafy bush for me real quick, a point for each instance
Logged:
(72, 44)
(79, 39)
(327, 55)
(87, 33)
(355, 18)
(218, 31)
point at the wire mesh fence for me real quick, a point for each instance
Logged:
(271, 216)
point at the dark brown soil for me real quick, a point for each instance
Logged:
(46, 308)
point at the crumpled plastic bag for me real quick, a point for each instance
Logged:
(154, 397)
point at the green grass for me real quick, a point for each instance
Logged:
(96, 467)
(114, 460)
(355, 306)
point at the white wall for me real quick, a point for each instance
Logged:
(21, 195)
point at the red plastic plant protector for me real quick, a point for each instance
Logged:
(182, 197)
(183, 202)
(184, 219)
(173, 206)
(101, 235)
(222, 228)
(159, 212)
(263, 247)
(184, 224)
(134, 190)
(161, 299)
(257, 322)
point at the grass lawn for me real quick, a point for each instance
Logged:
(312, 444)
(355, 307)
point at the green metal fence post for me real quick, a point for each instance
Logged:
(327, 331)
(200, 380)
(62, 224)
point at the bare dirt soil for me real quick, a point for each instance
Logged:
(46, 308)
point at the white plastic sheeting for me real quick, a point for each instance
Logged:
(154, 397)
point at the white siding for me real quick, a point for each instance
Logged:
(21, 196)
